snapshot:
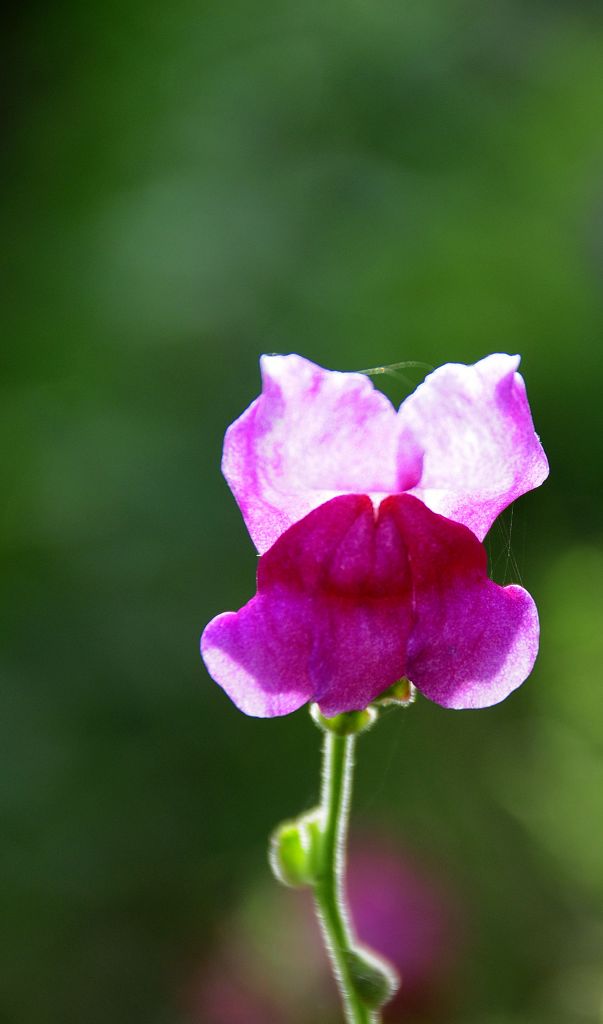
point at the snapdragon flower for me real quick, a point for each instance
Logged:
(369, 523)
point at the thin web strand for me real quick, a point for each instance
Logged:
(511, 571)
(391, 370)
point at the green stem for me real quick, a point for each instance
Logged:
(329, 889)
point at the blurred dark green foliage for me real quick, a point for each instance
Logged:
(186, 186)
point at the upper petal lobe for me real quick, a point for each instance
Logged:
(474, 426)
(312, 434)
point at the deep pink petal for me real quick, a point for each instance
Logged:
(259, 655)
(348, 602)
(330, 621)
(474, 426)
(473, 642)
(312, 434)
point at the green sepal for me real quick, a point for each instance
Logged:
(374, 979)
(293, 853)
(401, 693)
(349, 723)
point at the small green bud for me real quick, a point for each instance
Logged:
(402, 693)
(293, 850)
(374, 979)
(349, 723)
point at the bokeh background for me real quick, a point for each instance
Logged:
(184, 186)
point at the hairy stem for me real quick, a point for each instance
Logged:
(329, 888)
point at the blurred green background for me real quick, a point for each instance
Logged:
(187, 185)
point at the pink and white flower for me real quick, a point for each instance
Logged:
(370, 522)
